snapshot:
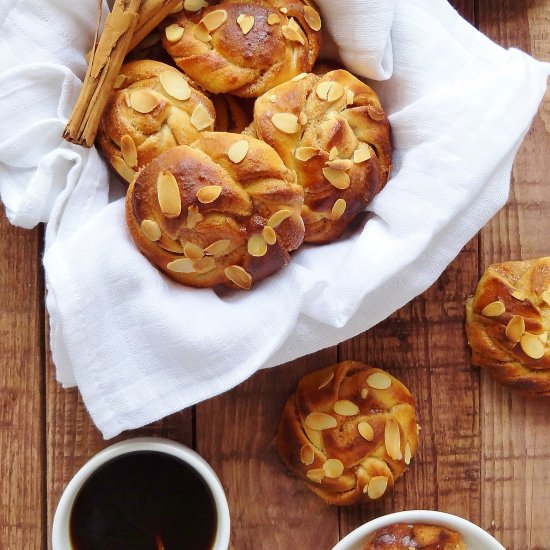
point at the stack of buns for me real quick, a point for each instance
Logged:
(234, 150)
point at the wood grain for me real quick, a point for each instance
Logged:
(515, 432)
(21, 389)
(235, 432)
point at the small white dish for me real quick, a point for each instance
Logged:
(473, 536)
(61, 522)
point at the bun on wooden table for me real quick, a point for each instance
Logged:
(222, 211)
(333, 132)
(153, 108)
(508, 321)
(243, 48)
(349, 431)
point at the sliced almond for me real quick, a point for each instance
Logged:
(239, 276)
(321, 421)
(173, 33)
(338, 209)
(299, 77)
(278, 218)
(333, 153)
(376, 113)
(238, 151)
(200, 32)
(205, 264)
(329, 91)
(209, 193)
(418, 428)
(302, 119)
(379, 381)
(315, 437)
(328, 380)
(344, 407)
(268, 233)
(546, 296)
(201, 118)
(408, 454)
(519, 295)
(316, 475)
(543, 337)
(292, 34)
(307, 454)
(151, 230)
(214, 20)
(364, 393)
(515, 328)
(272, 98)
(257, 246)
(193, 216)
(119, 82)
(143, 101)
(182, 265)
(285, 122)
(218, 247)
(377, 487)
(246, 22)
(365, 430)
(340, 164)
(124, 171)
(532, 346)
(273, 19)
(283, 10)
(306, 153)
(313, 19)
(168, 193)
(193, 251)
(350, 97)
(194, 5)
(337, 178)
(494, 309)
(392, 439)
(175, 85)
(361, 155)
(129, 151)
(333, 468)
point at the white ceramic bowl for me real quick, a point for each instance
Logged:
(60, 529)
(474, 537)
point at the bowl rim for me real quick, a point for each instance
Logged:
(60, 526)
(443, 519)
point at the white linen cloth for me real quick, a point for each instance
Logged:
(140, 346)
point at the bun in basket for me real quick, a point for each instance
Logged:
(349, 431)
(154, 108)
(224, 210)
(507, 323)
(244, 48)
(333, 132)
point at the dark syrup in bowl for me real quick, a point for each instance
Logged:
(144, 500)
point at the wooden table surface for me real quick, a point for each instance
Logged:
(484, 451)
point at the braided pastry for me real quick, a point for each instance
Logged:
(400, 536)
(224, 210)
(349, 431)
(244, 48)
(154, 108)
(507, 323)
(333, 132)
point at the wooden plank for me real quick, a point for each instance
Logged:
(72, 439)
(516, 438)
(21, 382)
(423, 345)
(235, 432)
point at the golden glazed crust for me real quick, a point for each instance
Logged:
(361, 442)
(333, 132)
(507, 323)
(421, 537)
(142, 119)
(215, 51)
(206, 220)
